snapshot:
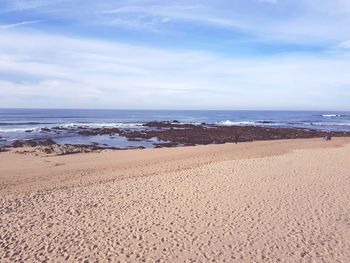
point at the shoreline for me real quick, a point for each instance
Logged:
(164, 134)
(33, 165)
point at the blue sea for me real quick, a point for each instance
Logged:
(27, 123)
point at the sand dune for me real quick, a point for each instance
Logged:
(280, 201)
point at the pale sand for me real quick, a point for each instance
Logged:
(281, 201)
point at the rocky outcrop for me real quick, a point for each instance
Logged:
(168, 124)
(99, 131)
(20, 144)
(188, 134)
(56, 149)
(32, 143)
(45, 130)
(172, 134)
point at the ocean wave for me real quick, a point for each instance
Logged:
(14, 130)
(334, 115)
(23, 123)
(240, 123)
(184, 123)
(329, 124)
(234, 123)
(102, 125)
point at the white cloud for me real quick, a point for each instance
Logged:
(296, 22)
(72, 72)
(289, 21)
(76, 72)
(166, 20)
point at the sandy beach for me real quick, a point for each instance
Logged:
(267, 201)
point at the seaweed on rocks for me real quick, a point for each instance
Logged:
(175, 133)
(99, 131)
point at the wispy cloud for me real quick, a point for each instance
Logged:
(117, 75)
(18, 5)
(175, 54)
(269, 1)
(21, 24)
(297, 22)
(345, 44)
(305, 21)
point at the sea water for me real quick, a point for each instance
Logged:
(27, 123)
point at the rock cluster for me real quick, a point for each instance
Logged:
(50, 147)
(32, 143)
(56, 149)
(99, 131)
(188, 134)
(172, 134)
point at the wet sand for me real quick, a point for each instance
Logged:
(267, 201)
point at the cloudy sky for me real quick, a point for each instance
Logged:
(183, 54)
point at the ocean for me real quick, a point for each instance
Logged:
(24, 124)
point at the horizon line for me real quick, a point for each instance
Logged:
(155, 109)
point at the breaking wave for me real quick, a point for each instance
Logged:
(235, 123)
(334, 115)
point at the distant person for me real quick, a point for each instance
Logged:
(236, 138)
(327, 138)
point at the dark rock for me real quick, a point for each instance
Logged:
(20, 144)
(166, 144)
(265, 122)
(175, 134)
(168, 124)
(156, 124)
(99, 131)
(47, 142)
(30, 143)
(45, 130)
(57, 128)
(65, 149)
(135, 139)
(28, 131)
(17, 144)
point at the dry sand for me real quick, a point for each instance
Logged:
(280, 201)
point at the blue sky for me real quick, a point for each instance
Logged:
(152, 54)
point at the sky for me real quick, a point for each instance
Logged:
(184, 54)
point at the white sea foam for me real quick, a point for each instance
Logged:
(233, 123)
(183, 123)
(69, 125)
(102, 125)
(331, 115)
(330, 124)
(13, 130)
